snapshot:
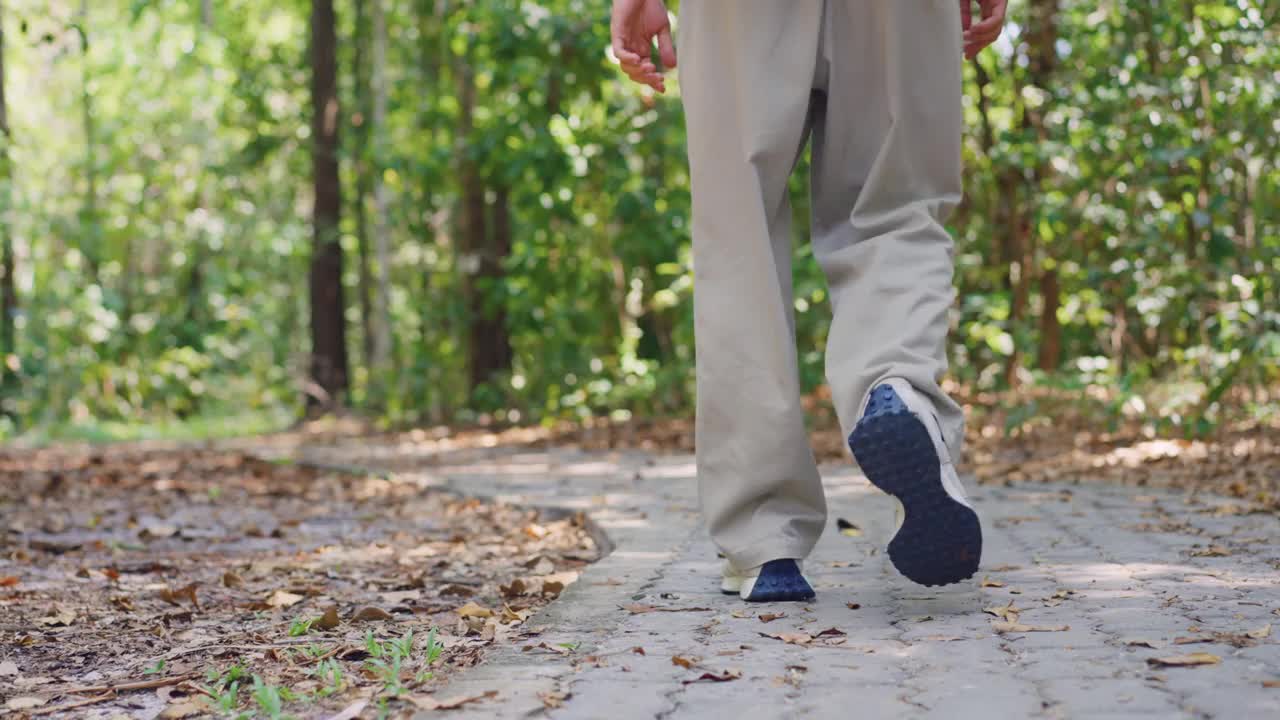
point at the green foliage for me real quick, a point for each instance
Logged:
(269, 698)
(1139, 173)
(300, 626)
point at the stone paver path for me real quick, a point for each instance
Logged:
(1122, 568)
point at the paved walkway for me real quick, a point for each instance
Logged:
(1128, 572)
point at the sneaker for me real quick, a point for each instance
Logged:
(898, 445)
(775, 581)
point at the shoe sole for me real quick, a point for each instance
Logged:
(940, 541)
(779, 581)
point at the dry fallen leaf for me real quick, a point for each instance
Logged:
(770, 617)
(790, 638)
(1271, 683)
(283, 599)
(352, 711)
(473, 610)
(371, 613)
(552, 588)
(1191, 660)
(638, 650)
(1008, 613)
(8, 580)
(1142, 642)
(1260, 633)
(853, 605)
(329, 620)
(186, 592)
(640, 609)
(427, 702)
(554, 700)
(725, 676)
(515, 589)
(988, 582)
(1212, 551)
(61, 617)
(232, 580)
(24, 702)
(183, 710)
(1008, 627)
(684, 662)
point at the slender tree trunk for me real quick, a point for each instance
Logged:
(379, 370)
(471, 222)
(193, 333)
(1050, 328)
(433, 18)
(1042, 38)
(91, 245)
(8, 286)
(360, 130)
(329, 371)
(490, 342)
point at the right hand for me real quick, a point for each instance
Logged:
(634, 27)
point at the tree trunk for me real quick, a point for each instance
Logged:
(1050, 328)
(328, 326)
(8, 286)
(90, 246)
(1042, 56)
(379, 367)
(360, 131)
(192, 334)
(488, 349)
(490, 344)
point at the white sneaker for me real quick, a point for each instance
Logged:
(898, 444)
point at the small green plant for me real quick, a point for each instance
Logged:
(404, 646)
(300, 626)
(372, 646)
(314, 651)
(155, 669)
(269, 698)
(434, 649)
(387, 671)
(224, 687)
(570, 646)
(329, 672)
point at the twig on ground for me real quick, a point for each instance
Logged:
(73, 705)
(138, 685)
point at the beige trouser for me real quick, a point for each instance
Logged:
(877, 84)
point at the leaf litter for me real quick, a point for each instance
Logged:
(132, 567)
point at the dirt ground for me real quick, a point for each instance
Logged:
(189, 582)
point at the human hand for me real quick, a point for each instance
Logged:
(634, 27)
(983, 33)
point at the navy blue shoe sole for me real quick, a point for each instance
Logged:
(940, 541)
(780, 581)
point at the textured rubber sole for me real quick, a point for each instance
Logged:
(779, 581)
(940, 541)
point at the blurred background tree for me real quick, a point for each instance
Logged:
(230, 212)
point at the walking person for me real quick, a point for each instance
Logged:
(875, 86)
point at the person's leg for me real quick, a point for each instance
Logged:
(746, 69)
(886, 173)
